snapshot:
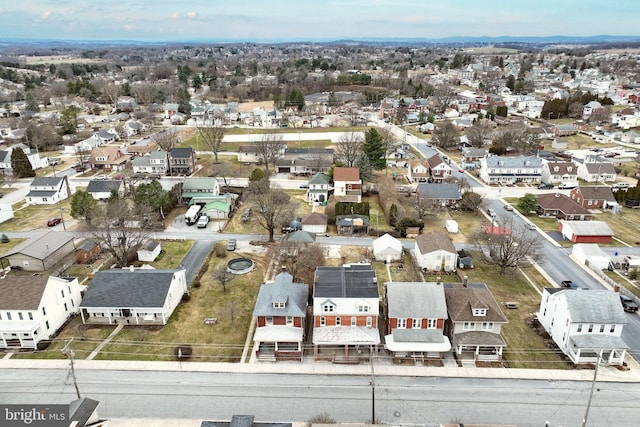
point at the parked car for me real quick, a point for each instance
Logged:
(101, 177)
(544, 186)
(628, 304)
(508, 208)
(305, 185)
(568, 185)
(287, 229)
(203, 221)
(531, 226)
(231, 245)
(491, 213)
(54, 221)
(569, 284)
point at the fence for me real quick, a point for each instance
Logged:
(615, 285)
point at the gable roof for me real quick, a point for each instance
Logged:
(301, 236)
(126, 289)
(564, 204)
(416, 300)
(497, 162)
(597, 193)
(351, 281)
(600, 168)
(434, 241)
(588, 228)
(319, 179)
(282, 289)
(198, 183)
(180, 152)
(42, 246)
(386, 241)
(439, 191)
(103, 185)
(46, 181)
(564, 168)
(434, 161)
(314, 218)
(346, 174)
(594, 306)
(462, 300)
(22, 292)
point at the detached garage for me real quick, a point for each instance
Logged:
(591, 254)
(387, 248)
(586, 231)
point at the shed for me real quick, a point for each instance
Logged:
(150, 251)
(88, 252)
(40, 253)
(591, 254)
(387, 248)
(451, 226)
(586, 231)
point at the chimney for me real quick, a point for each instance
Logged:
(438, 282)
(465, 281)
(283, 268)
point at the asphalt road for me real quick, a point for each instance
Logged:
(346, 398)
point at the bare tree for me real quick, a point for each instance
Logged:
(349, 147)
(230, 309)
(443, 96)
(511, 245)
(222, 276)
(388, 139)
(112, 92)
(575, 110)
(477, 134)
(223, 170)
(82, 158)
(600, 115)
(272, 206)
(166, 139)
(446, 135)
(212, 137)
(301, 259)
(119, 225)
(269, 148)
(144, 93)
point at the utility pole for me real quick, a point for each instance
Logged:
(67, 350)
(373, 387)
(593, 384)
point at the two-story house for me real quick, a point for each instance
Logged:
(595, 197)
(438, 169)
(304, 161)
(108, 158)
(415, 317)
(474, 322)
(280, 312)
(48, 190)
(318, 192)
(418, 170)
(438, 195)
(345, 313)
(595, 171)
(347, 185)
(557, 172)
(510, 170)
(434, 251)
(182, 161)
(101, 189)
(585, 324)
(155, 162)
(33, 308)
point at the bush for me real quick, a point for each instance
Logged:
(196, 283)
(4, 238)
(43, 345)
(183, 351)
(220, 250)
(323, 418)
(186, 297)
(404, 223)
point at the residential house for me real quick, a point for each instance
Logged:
(557, 172)
(108, 158)
(170, 109)
(133, 297)
(155, 162)
(591, 108)
(347, 184)
(505, 170)
(48, 190)
(141, 148)
(40, 253)
(474, 323)
(280, 312)
(34, 308)
(149, 251)
(304, 161)
(415, 318)
(315, 223)
(438, 169)
(387, 248)
(345, 313)
(434, 251)
(595, 198)
(88, 252)
(595, 171)
(590, 254)
(107, 136)
(586, 231)
(101, 189)
(182, 161)
(84, 146)
(585, 324)
(199, 190)
(471, 157)
(562, 207)
(318, 191)
(564, 130)
(438, 195)
(418, 170)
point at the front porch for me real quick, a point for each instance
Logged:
(278, 342)
(345, 344)
(478, 346)
(123, 316)
(21, 334)
(593, 349)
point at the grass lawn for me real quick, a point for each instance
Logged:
(377, 218)
(525, 348)
(469, 224)
(33, 217)
(624, 225)
(222, 342)
(12, 243)
(172, 254)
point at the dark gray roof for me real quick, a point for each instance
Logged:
(81, 410)
(41, 193)
(4, 155)
(439, 191)
(181, 152)
(301, 236)
(294, 295)
(103, 186)
(49, 181)
(126, 289)
(42, 246)
(353, 281)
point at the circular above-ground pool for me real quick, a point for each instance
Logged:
(240, 265)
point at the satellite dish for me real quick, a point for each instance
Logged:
(615, 253)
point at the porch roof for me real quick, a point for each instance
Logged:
(480, 338)
(417, 340)
(345, 335)
(19, 327)
(598, 342)
(278, 333)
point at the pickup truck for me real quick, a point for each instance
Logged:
(569, 284)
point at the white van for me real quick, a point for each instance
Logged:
(568, 185)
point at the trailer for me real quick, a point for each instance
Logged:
(192, 215)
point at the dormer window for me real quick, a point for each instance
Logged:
(279, 304)
(479, 311)
(328, 307)
(364, 308)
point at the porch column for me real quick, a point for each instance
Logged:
(164, 320)
(275, 346)
(346, 350)
(109, 315)
(82, 315)
(315, 351)
(577, 359)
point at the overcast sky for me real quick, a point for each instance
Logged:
(312, 19)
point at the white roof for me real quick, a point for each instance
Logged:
(278, 333)
(344, 335)
(588, 228)
(392, 345)
(386, 241)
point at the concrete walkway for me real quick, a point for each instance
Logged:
(100, 346)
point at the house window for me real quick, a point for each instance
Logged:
(289, 320)
(612, 329)
(46, 323)
(479, 311)
(269, 320)
(402, 323)
(544, 312)
(487, 326)
(338, 321)
(580, 327)
(20, 315)
(328, 308)
(323, 321)
(416, 323)
(589, 203)
(590, 328)
(601, 329)
(72, 304)
(369, 321)
(468, 326)
(44, 199)
(354, 321)
(363, 308)
(65, 306)
(44, 311)
(278, 305)
(432, 323)
(62, 292)
(8, 316)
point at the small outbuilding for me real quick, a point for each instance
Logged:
(451, 225)
(387, 248)
(586, 231)
(591, 254)
(150, 251)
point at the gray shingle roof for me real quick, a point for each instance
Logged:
(462, 300)
(126, 289)
(294, 295)
(439, 191)
(41, 193)
(595, 306)
(416, 300)
(181, 152)
(497, 162)
(353, 281)
(433, 241)
(22, 292)
(103, 186)
(48, 181)
(42, 246)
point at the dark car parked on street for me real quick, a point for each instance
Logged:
(628, 304)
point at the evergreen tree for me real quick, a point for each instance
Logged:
(366, 170)
(374, 149)
(20, 164)
(83, 205)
